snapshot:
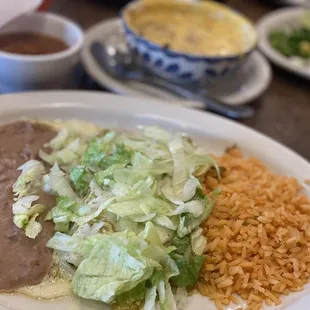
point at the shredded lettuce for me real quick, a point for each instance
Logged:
(138, 293)
(66, 157)
(160, 280)
(33, 228)
(180, 173)
(111, 265)
(60, 185)
(70, 211)
(114, 266)
(87, 229)
(189, 269)
(181, 244)
(150, 299)
(21, 220)
(198, 241)
(67, 147)
(24, 215)
(60, 140)
(30, 180)
(188, 222)
(165, 234)
(188, 191)
(63, 213)
(194, 207)
(127, 214)
(23, 205)
(150, 234)
(181, 298)
(188, 263)
(165, 221)
(98, 148)
(166, 298)
(80, 177)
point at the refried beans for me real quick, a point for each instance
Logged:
(23, 261)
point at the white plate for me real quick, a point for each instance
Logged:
(244, 87)
(282, 19)
(128, 112)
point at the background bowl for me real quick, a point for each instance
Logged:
(184, 67)
(20, 72)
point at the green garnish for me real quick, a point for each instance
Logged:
(294, 43)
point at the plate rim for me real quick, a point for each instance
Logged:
(263, 27)
(103, 79)
(154, 107)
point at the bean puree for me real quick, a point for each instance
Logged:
(23, 261)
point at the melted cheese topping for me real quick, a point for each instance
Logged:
(192, 28)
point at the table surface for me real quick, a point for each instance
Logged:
(283, 112)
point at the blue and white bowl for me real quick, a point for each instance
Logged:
(183, 67)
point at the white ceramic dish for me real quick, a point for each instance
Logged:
(247, 85)
(30, 72)
(128, 112)
(282, 19)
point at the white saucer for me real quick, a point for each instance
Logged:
(248, 84)
(282, 19)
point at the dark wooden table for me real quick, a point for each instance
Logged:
(283, 112)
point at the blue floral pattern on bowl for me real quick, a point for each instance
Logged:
(177, 66)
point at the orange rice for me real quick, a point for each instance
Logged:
(258, 235)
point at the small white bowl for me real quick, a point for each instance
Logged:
(20, 72)
(285, 19)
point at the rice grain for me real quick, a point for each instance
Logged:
(258, 235)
